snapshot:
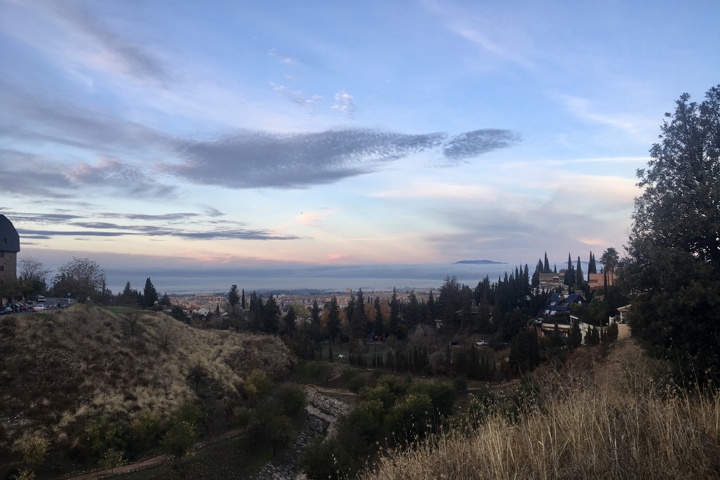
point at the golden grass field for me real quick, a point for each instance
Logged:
(605, 414)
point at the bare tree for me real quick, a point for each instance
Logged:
(32, 269)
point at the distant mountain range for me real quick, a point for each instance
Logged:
(478, 262)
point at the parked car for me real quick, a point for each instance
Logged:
(40, 298)
(481, 343)
(6, 310)
(38, 308)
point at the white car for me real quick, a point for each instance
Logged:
(481, 343)
(38, 308)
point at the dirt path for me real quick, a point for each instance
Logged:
(321, 403)
(151, 461)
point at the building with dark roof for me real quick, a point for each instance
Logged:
(9, 248)
(558, 304)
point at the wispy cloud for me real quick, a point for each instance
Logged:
(500, 39)
(95, 45)
(184, 225)
(286, 59)
(27, 116)
(345, 104)
(111, 174)
(584, 109)
(298, 97)
(261, 159)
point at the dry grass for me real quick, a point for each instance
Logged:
(59, 367)
(600, 418)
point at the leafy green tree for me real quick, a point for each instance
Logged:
(673, 263)
(178, 313)
(80, 278)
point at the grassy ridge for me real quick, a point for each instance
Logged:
(599, 419)
(62, 367)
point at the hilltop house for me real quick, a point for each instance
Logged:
(559, 304)
(9, 248)
(551, 280)
(596, 281)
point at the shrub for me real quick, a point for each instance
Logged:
(291, 398)
(32, 448)
(103, 434)
(441, 394)
(410, 418)
(179, 438)
(147, 429)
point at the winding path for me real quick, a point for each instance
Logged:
(321, 414)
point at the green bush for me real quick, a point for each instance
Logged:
(147, 429)
(291, 399)
(179, 438)
(441, 394)
(410, 418)
(103, 434)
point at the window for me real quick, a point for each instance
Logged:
(2, 268)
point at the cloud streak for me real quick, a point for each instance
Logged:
(260, 159)
(173, 225)
(99, 47)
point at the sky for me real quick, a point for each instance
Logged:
(162, 134)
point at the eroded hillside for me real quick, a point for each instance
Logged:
(61, 367)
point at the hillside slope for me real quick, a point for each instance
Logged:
(60, 367)
(604, 414)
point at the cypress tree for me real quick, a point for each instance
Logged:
(579, 274)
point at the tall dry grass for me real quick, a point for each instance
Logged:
(615, 422)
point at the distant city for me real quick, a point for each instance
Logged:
(322, 278)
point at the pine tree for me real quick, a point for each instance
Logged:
(150, 296)
(315, 313)
(233, 297)
(290, 318)
(333, 323)
(394, 320)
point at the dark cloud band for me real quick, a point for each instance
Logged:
(261, 159)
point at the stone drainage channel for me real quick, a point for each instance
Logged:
(321, 414)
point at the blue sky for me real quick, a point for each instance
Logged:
(199, 134)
